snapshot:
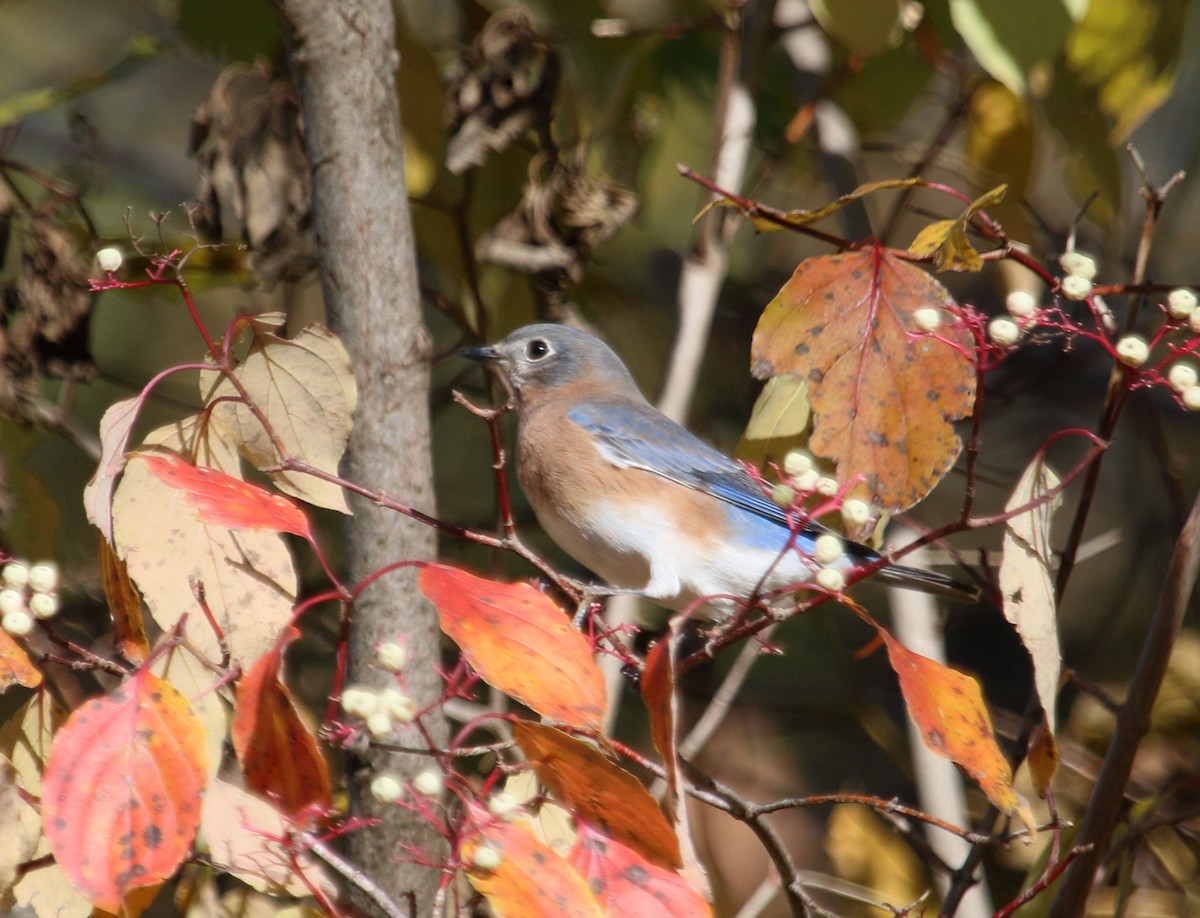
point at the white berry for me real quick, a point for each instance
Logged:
(379, 725)
(855, 512)
(1181, 303)
(807, 481)
(502, 805)
(1075, 287)
(1004, 331)
(1078, 264)
(360, 702)
(797, 462)
(386, 788)
(109, 259)
(827, 486)
(927, 318)
(827, 548)
(43, 577)
(1182, 376)
(783, 495)
(15, 575)
(43, 605)
(17, 623)
(831, 579)
(392, 656)
(1132, 351)
(11, 601)
(399, 706)
(1020, 304)
(1191, 398)
(428, 782)
(486, 858)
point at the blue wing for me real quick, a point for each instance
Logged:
(638, 436)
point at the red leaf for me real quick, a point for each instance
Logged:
(627, 884)
(279, 756)
(597, 791)
(882, 397)
(519, 642)
(529, 879)
(121, 791)
(226, 501)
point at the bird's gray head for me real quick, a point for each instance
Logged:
(536, 360)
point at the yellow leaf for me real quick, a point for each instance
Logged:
(305, 387)
(947, 239)
(1027, 581)
(248, 576)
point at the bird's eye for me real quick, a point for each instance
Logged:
(537, 349)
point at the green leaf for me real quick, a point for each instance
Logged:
(1128, 51)
(1010, 38)
(866, 27)
(139, 50)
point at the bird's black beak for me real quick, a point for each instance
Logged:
(480, 354)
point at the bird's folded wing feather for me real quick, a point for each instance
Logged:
(638, 436)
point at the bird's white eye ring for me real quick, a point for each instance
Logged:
(537, 349)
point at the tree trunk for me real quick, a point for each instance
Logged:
(344, 60)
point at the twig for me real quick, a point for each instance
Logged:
(1133, 722)
(351, 874)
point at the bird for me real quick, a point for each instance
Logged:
(643, 503)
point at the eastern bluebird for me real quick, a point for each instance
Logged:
(644, 504)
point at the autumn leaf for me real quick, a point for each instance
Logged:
(947, 707)
(221, 500)
(662, 706)
(883, 397)
(115, 428)
(305, 387)
(1027, 580)
(529, 879)
(244, 833)
(248, 577)
(1042, 758)
(15, 666)
(25, 740)
(22, 828)
(947, 240)
(520, 643)
(627, 884)
(124, 605)
(278, 754)
(121, 792)
(597, 791)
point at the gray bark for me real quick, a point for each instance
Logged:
(344, 61)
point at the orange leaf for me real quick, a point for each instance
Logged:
(124, 604)
(121, 791)
(530, 879)
(15, 665)
(226, 501)
(658, 694)
(599, 792)
(520, 643)
(279, 756)
(627, 884)
(1042, 758)
(947, 707)
(882, 398)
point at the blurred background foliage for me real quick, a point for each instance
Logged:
(96, 109)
